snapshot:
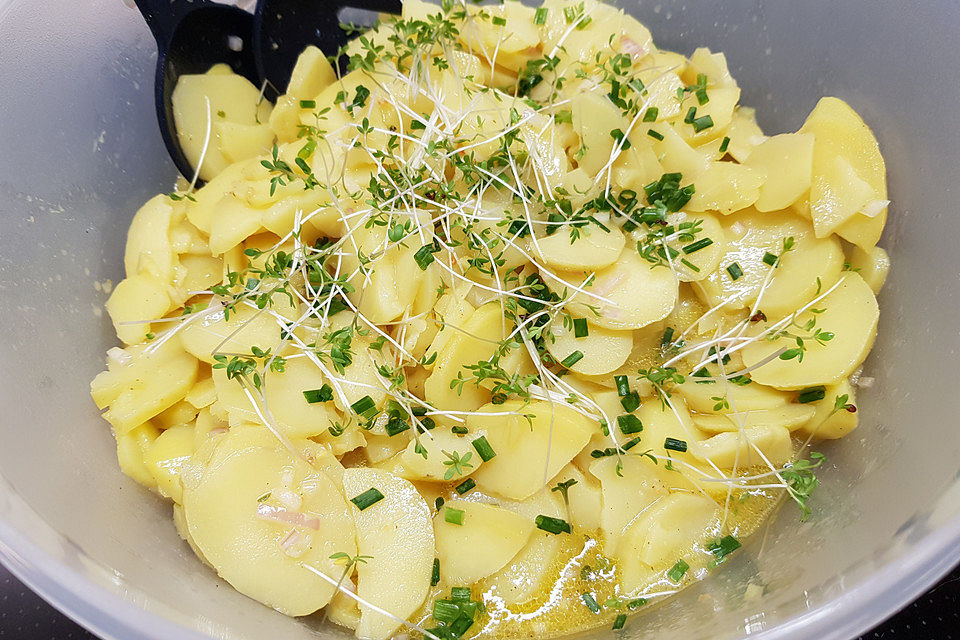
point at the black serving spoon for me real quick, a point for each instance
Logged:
(284, 28)
(192, 36)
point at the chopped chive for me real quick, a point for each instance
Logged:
(691, 114)
(453, 516)
(460, 626)
(428, 423)
(308, 104)
(655, 134)
(540, 17)
(693, 247)
(701, 123)
(584, 22)
(620, 621)
(368, 498)
(630, 402)
(724, 144)
(689, 265)
(461, 594)
(629, 424)
(445, 611)
(702, 96)
(499, 21)
(459, 430)
(580, 329)
(590, 601)
(569, 14)
(438, 503)
(365, 407)
(552, 525)
(465, 486)
(677, 572)
(769, 259)
(740, 380)
(419, 412)
(572, 359)
(735, 271)
(812, 394)
(675, 445)
(650, 115)
(636, 603)
(623, 385)
(667, 337)
(483, 448)
(396, 425)
(424, 256)
(723, 547)
(323, 394)
(630, 444)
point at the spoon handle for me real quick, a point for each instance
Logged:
(163, 16)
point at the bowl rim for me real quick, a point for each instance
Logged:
(876, 596)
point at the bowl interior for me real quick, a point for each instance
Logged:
(81, 152)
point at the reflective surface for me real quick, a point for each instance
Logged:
(79, 152)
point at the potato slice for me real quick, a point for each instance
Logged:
(527, 453)
(625, 494)
(789, 416)
(284, 395)
(312, 74)
(417, 467)
(167, 455)
(137, 298)
(486, 541)
(635, 293)
(744, 133)
(841, 134)
(603, 350)
(148, 249)
(240, 141)
(131, 449)
(666, 532)
(398, 534)
(259, 513)
(749, 397)
(873, 265)
(850, 313)
(786, 163)
(829, 422)
(584, 497)
(726, 187)
(594, 248)
(740, 448)
(246, 327)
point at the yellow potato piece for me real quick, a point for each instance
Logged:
(135, 299)
(584, 497)
(527, 453)
(213, 333)
(131, 448)
(841, 134)
(232, 222)
(594, 117)
(850, 313)
(284, 394)
(312, 74)
(628, 294)
(873, 265)
(625, 495)
(398, 535)
(744, 133)
(790, 416)
(437, 441)
(704, 260)
(240, 141)
(259, 514)
(749, 397)
(167, 455)
(594, 248)
(603, 350)
(148, 250)
(829, 423)
(666, 532)
(726, 187)
(786, 163)
(492, 534)
(740, 448)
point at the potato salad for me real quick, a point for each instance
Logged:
(506, 322)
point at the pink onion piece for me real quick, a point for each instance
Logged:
(279, 514)
(633, 49)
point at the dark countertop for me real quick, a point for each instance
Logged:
(934, 616)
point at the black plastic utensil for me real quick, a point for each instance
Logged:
(284, 28)
(192, 36)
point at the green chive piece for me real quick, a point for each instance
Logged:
(620, 621)
(396, 425)
(667, 337)
(580, 328)
(723, 547)
(540, 17)
(364, 407)
(675, 445)
(701, 123)
(693, 247)
(629, 424)
(724, 144)
(424, 256)
(572, 359)
(590, 601)
(465, 486)
(461, 594)
(323, 394)
(453, 516)
(438, 503)
(812, 394)
(735, 271)
(630, 444)
(691, 114)
(460, 430)
(552, 525)
(308, 104)
(499, 21)
(636, 603)
(445, 611)
(656, 135)
(677, 572)
(630, 402)
(623, 385)
(368, 498)
(569, 14)
(650, 115)
(769, 259)
(483, 448)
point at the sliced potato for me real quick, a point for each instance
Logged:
(437, 443)
(132, 446)
(593, 248)
(726, 187)
(625, 494)
(749, 397)
(603, 350)
(873, 265)
(850, 313)
(148, 249)
(584, 496)
(786, 163)
(246, 327)
(789, 416)
(258, 514)
(135, 300)
(830, 421)
(167, 455)
(528, 453)
(492, 535)
(740, 448)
